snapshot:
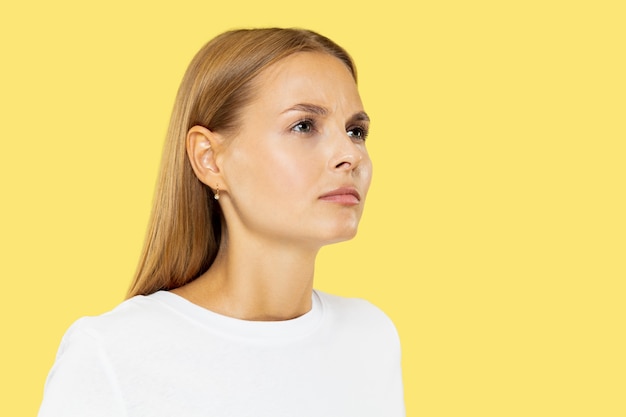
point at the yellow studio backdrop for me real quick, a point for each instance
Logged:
(494, 234)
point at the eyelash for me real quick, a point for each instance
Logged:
(309, 122)
(364, 131)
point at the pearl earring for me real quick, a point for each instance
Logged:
(217, 192)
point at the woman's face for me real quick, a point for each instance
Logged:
(298, 171)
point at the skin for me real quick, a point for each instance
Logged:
(301, 139)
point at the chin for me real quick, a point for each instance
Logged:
(333, 231)
(341, 236)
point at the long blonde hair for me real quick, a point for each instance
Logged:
(185, 227)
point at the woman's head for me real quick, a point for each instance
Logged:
(221, 81)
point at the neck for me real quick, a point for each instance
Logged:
(252, 280)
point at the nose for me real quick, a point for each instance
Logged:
(347, 154)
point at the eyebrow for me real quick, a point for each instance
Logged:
(323, 111)
(309, 108)
(361, 117)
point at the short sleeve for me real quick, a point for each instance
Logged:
(81, 381)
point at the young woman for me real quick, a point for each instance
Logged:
(265, 162)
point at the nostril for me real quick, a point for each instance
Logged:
(343, 164)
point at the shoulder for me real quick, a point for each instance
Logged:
(129, 319)
(358, 316)
(353, 308)
(84, 379)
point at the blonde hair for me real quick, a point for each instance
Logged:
(185, 227)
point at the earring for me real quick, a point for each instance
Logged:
(217, 192)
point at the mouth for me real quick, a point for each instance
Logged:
(348, 196)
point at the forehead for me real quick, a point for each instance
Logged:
(307, 76)
(302, 61)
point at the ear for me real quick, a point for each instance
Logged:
(201, 143)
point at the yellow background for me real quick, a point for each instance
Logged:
(494, 234)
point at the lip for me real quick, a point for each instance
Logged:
(343, 195)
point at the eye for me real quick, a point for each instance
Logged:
(357, 132)
(303, 126)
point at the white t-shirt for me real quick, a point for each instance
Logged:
(161, 355)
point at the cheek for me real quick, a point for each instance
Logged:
(269, 173)
(366, 173)
(292, 175)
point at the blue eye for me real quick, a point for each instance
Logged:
(357, 132)
(303, 126)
